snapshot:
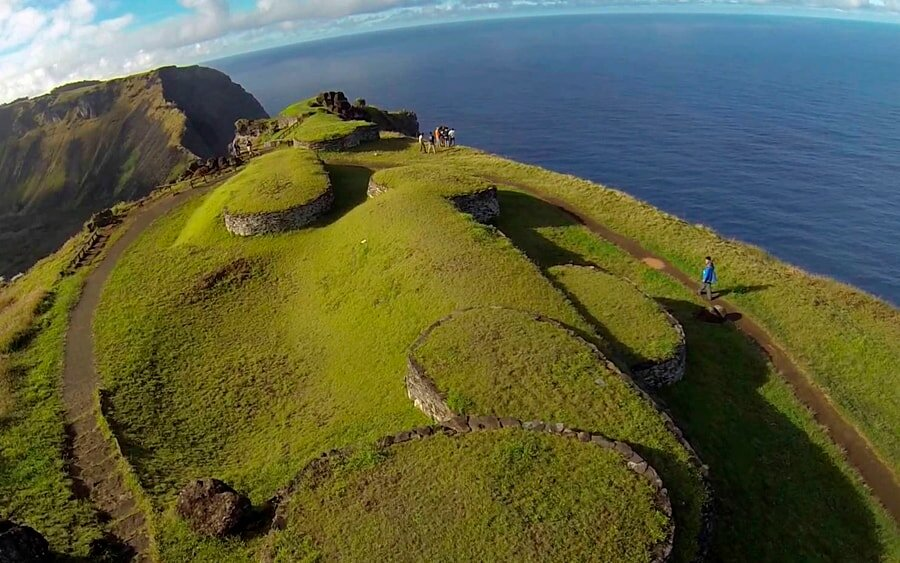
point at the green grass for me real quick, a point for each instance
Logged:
(281, 180)
(784, 491)
(218, 381)
(35, 488)
(430, 178)
(301, 109)
(505, 363)
(846, 341)
(633, 325)
(320, 126)
(488, 496)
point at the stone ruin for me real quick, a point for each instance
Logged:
(338, 104)
(204, 167)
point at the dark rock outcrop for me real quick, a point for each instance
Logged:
(21, 544)
(212, 508)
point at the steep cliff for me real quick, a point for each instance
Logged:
(85, 146)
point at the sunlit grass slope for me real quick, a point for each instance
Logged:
(847, 341)
(487, 496)
(276, 181)
(635, 328)
(508, 364)
(250, 357)
(783, 490)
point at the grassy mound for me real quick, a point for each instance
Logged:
(505, 362)
(634, 326)
(281, 180)
(431, 178)
(487, 496)
(316, 124)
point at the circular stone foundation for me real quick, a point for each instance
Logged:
(290, 219)
(638, 331)
(528, 491)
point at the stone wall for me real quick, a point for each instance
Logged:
(426, 396)
(483, 206)
(655, 374)
(250, 224)
(322, 466)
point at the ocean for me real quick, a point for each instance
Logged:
(781, 132)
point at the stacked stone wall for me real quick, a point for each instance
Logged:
(429, 399)
(365, 134)
(250, 224)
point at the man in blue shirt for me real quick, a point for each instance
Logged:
(709, 278)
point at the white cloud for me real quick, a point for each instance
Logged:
(43, 46)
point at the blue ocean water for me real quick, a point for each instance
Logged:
(782, 132)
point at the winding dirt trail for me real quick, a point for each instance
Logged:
(95, 464)
(876, 475)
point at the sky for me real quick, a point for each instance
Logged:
(45, 43)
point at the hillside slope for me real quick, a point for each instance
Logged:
(85, 146)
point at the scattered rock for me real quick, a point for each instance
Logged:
(484, 422)
(21, 544)
(212, 508)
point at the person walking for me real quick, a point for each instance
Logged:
(431, 147)
(708, 278)
(451, 135)
(422, 143)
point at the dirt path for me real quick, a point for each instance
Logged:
(95, 464)
(874, 472)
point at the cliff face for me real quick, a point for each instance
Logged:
(85, 146)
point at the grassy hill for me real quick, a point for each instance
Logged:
(245, 359)
(86, 146)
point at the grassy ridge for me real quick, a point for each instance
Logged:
(490, 496)
(275, 182)
(210, 379)
(848, 342)
(637, 330)
(784, 491)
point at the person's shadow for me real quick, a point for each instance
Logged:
(779, 494)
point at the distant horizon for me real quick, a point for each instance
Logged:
(401, 23)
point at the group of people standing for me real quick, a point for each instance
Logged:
(441, 136)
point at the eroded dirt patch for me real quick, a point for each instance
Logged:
(228, 277)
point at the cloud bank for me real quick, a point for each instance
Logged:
(45, 43)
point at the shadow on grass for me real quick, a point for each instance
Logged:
(390, 144)
(741, 289)
(779, 496)
(349, 184)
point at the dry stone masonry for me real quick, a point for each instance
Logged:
(250, 224)
(456, 426)
(483, 206)
(429, 399)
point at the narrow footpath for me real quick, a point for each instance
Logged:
(876, 475)
(96, 465)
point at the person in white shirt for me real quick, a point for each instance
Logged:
(452, 135)
(422, 143)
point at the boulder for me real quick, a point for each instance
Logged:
(212, 508)
(716, 314)
(21, 544)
